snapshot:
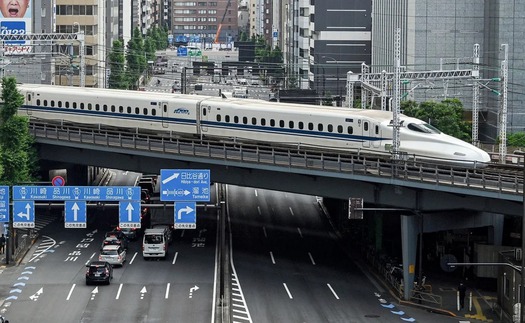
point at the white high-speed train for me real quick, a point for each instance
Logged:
(326, 128)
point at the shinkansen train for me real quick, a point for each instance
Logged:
(274, 123)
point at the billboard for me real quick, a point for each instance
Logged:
(15, 19)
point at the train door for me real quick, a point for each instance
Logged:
(29, 102)
(165, 113)
(205, 110)
(365, 128)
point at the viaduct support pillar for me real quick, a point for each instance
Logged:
(409, 232)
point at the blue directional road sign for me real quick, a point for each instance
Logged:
(79, 193)
(23, 214)
(185, 185)
(185, 215)
(75, 214)
(4, 204)
(129, 214)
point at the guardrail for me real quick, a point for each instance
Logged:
(230, 152)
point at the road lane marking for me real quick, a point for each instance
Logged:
(333, 292)
(175, 258)
(264, 231)
(256, 193)
(259, 210)
(288, 291)
(89, 260)
(70, 292)
(118, 292)
(291, 211)
(300, 233)
(133, 258)
(311, 258)
(167, 291)
(182, 233)
(273, 259)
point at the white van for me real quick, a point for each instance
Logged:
(155, 243)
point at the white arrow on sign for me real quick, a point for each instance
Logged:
(25, 215)
(75, 209)
(130, 209)
(186, 192)
(169, 179)
(187, 209)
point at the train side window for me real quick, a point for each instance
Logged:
(330, 128)
(67, 104)
(128, 110)
(350, 130)
(90, 106)
(310, 126)
(272, 122)
(81, 105)
(38, 102)
(52, 103)
(291, 125)
(59, 104)
(97, 107)
(340, 129)
(137, 110)
(320, 127)
(105, 107)
(301, 125)
(281, 123)
(244, 120)
(29, 97)
(165, 107)
(145, 111)
(218, 118)
(45, 103)
(153, 112)
(365, 126)
(204, 112)
(74, 105)
(263, 122)
(112, 108)
(120, 109)
(227, 118)
(254, 121)
(377, 129)
(236, 119)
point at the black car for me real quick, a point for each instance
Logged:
(115, 238)
(99, 272)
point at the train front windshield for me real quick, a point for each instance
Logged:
(423, 127)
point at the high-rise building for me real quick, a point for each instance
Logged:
(324, 40)
(203, 20)
(446, 31)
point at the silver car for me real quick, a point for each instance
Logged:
(113, 254)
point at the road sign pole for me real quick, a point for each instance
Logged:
(9, 242)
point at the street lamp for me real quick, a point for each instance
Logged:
(337, 74)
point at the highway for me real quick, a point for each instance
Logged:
(288, 265)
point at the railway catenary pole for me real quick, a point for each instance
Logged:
(475, 96)
(503, 111)
(397, 89)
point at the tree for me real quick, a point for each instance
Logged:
(17, 157)
(135, 57)
(446, 115)
(117, 66)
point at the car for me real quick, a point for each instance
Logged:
(130, 233)
(113, 254)
(168, 228)
(99, 271)
(115, 238)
